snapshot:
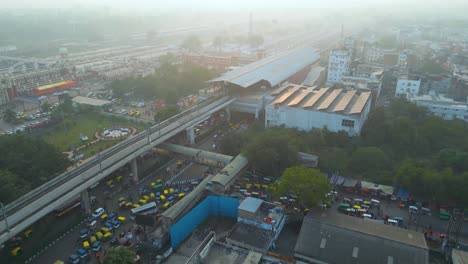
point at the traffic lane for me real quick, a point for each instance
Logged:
(71, 241)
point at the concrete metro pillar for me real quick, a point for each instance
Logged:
(228, 114)
(191, 135)
(134, 169)
(85, 202)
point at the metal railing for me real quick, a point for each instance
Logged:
(35, 194)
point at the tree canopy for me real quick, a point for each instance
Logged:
(166, 113)
(120, 255)
(27, 164)
(401, 145)
(9, 116)
(309, 185)
(170, 82)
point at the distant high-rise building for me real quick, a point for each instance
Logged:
(338, 65)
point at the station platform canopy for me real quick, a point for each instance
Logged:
(273, 69)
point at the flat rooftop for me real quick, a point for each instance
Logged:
(221, 254)
(251, 236)
(405, 236)
(323, 233)
(90, 101)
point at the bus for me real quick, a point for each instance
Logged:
(68, 206)
(147, 209)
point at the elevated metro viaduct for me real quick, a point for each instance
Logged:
(271, 71)
(31, 207)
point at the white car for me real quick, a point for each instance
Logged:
(98, 212)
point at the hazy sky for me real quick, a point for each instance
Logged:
(234, 5)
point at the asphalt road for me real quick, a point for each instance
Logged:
(71, 242)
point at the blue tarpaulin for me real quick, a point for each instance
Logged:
(211, 206)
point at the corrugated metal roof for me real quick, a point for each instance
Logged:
(225, 176)
(273, 69)
(250, 204)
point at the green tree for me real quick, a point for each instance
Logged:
(192, 43)
(309, 185)
(232, 143)
(33, 160)
(9, 116)
(120, 255)
(45, 107)
(11, 186)
(368, 162)
(272, 152)
(332, 160)
(166, 113)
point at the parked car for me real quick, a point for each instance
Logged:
(98, 212)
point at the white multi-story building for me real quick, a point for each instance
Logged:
(338, 65)
(441, 106)
(305, 108)
(406, 85)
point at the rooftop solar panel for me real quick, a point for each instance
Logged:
(286, 95)
(301, 96)
(360, 103)
(312, 100)
(344, 101)
(331, 97)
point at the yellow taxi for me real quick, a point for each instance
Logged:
(16, 251)
(121, 219)
(135, 205)
(142, 201)
(86, 244)
(99, 235)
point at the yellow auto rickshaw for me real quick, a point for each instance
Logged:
(118, 179)
(106, 236)
(27, 233)
(104, 217)
(180, 195)
(152, 197)
(166, 192)
(142, 201)
(104, 229)
(357, 207)
(162, 197)
(99, 235)
(166, 205)
(121, 219)
(129, 204)
(109, 182)
(16, 251)
(171, 190)
(135, 205)
(146, 197)
(152, 184)
(121, 199)
(86, 244)
(92, 239)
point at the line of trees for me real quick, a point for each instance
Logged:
(25, 164)
(170, 82)
(400, 145)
